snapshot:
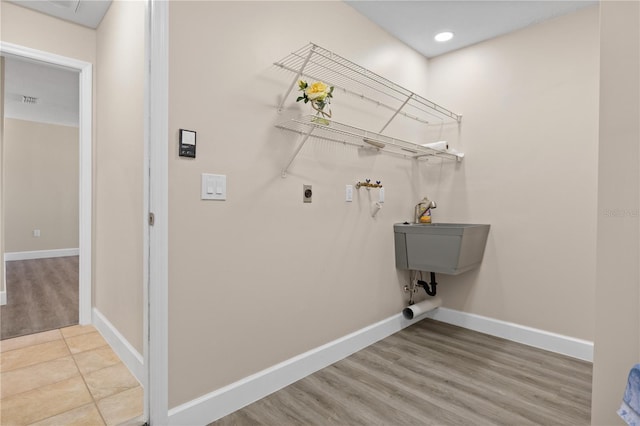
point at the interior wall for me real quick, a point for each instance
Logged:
(262, 277)
(41, 186)
(119, 151)
(617, 329)
(530, 134)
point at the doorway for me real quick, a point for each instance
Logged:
(84, 73)
(40, 187)
(86, 314)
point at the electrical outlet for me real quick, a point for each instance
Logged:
(349, 193)
(36, 233)
(306, 193)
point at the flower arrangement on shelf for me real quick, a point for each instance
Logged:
(319, 94)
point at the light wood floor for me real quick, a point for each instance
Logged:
(438, 374)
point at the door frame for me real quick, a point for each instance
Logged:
(157, 146)
(85, 71)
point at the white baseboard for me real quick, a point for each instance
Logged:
(558, 343)
(224, 401)
(127, 353)
(3, 297)
(40, 254)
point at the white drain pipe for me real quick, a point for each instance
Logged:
(421, 308)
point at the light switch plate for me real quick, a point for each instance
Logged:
(214, 187)
(348, 193)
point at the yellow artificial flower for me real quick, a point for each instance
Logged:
(318, 91)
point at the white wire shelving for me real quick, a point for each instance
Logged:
(319, 64)
(321, 128)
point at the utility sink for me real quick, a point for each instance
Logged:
(447, 248)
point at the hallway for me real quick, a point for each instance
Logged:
(66, 376)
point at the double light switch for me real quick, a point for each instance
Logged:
(214, 187)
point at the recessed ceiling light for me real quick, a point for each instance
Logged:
(444, 36)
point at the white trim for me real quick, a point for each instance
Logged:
(85, 189)
(145, 211)
(3, 297)
(217, 404)
(121, 346)
(558, 343)
(40, 254)
(158, 285)
(85, 159)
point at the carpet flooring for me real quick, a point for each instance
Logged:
(42, 294)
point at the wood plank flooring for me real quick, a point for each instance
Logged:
(42, 294)
(434, 373)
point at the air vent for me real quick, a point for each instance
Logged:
(29, 100)
(66, 4)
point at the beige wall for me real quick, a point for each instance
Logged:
(263, 277)
(530, 131)
(119, 172)
(41, 186)
(617, 329)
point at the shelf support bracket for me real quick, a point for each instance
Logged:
(296, 78)
(295, 153)
(396, 113)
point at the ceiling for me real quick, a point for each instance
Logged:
(417, 22)
(56, 90)
(413, 22)
(84, 12)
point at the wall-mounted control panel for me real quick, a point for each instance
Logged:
(214, 187)
(306, 193)
(187, 145)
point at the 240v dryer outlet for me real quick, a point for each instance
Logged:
(306, 193)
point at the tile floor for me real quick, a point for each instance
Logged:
(68, 376)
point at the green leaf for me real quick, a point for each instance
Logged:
(299, 98)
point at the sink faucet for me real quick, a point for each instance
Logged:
(423, 208)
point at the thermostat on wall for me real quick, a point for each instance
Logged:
(187, 143)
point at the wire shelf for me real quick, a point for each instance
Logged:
(311, 126)
(317, 63)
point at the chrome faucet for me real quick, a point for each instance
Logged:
(423, 208)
